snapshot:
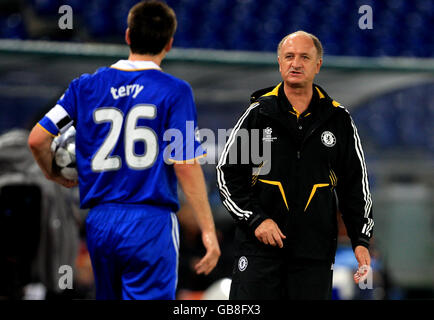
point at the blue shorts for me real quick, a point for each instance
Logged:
(134, 251)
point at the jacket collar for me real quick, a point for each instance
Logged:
(269, 106)
(269, 98)
(274, 91)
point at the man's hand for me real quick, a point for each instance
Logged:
(209, 261)
(40, 145)
(364, 259)
(62, 181)
(268, 232)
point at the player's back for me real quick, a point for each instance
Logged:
(121, 114)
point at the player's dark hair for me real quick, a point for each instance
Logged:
(152, 24)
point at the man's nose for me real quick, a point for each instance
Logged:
(296, 62)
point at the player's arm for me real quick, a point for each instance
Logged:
(191, 179)
(40, 144)
(354, 195)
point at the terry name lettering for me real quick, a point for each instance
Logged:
(124, 91)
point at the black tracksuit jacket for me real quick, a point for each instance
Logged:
(316, 168)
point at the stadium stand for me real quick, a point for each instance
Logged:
(242, 24)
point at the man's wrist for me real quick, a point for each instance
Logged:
(255, 221)
(361, 242)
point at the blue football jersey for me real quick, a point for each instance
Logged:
(133, 121)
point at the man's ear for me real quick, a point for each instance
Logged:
(318, 65)
(127, 36)
(169, 45)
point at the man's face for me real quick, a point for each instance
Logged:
(298, 61)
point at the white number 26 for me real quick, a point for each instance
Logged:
(102, 161)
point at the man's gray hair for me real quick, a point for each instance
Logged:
(315, 40)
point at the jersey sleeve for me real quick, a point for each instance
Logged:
(182, 128)
(234, 178)
(353, 190)
(62, 115)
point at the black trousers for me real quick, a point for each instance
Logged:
(268, 278)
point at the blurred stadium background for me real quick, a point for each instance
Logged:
(226, 50)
